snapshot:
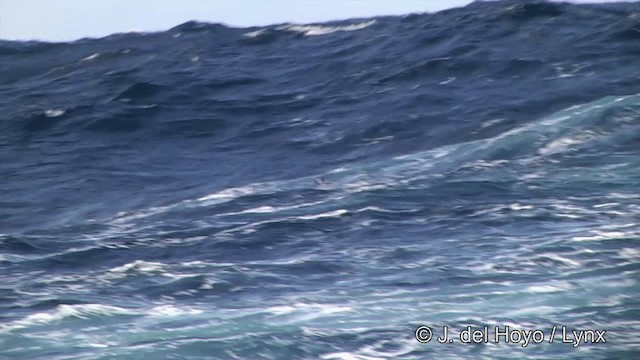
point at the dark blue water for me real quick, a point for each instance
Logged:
(320, 191)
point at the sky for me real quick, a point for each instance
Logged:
(66, 20)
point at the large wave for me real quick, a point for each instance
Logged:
(305, 191)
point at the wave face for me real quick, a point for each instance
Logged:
(320, 191)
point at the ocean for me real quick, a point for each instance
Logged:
(348, 190)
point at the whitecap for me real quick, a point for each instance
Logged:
(605, 235)
(266, 209)
(258, 210)
(550, 288)
(281, 310)
(139, 266)
(125, 217)
(492, 122)
(91, 57)
(338, 170)
(379, 209)
(605, 205)
(384, 349)
(444, 82)
(171, 310)
(360, 186)
(61, 312)
(518, 207)
(54, 112)
(335, 213)
(565, 143)
(347, 356)
(253, 34)
(232, 193)
(316, 309)
(630, 253)
(561, 259)
(314, 30)
(373, 141)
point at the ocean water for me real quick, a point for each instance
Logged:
(322, 191)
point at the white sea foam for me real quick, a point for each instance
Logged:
(605, 205)
(253, 34)
(54, 112)
(630, 253)
(62, 312)
(314, 30)
(266, 209)
(565, 143)
(599, 235)
(382, 350)
(235, 192)
(91, 57)
(319, 309)
(334, 213)
(559, 286)
(171, 310)
(127, 217)
(348, 356)
(561, 259)
(518, 207)
(444, 82)
(140, 266)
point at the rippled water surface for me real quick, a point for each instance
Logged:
(320, 191)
